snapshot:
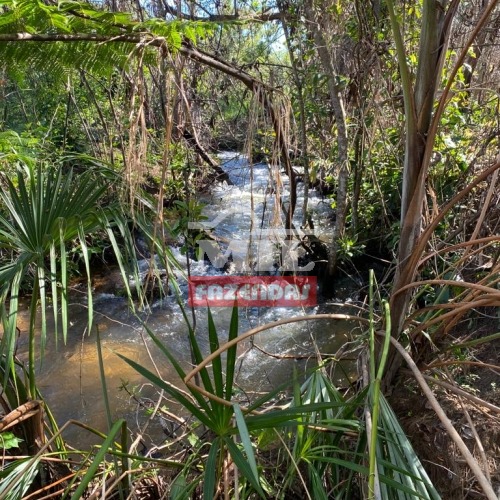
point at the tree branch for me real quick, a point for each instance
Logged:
(259, 88)
(221, 18)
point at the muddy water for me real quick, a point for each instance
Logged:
(69, 376)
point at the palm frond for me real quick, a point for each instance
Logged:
(45, 211)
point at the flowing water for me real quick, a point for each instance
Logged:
(68, 375)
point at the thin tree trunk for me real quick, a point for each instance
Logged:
(358, 170)
(421, 129)
(419, 104)
(66, 117)
(302, 113)
(337, 104)
(104, 123)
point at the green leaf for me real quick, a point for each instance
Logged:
(180, 489)
(175, 39)
(190, 33)
(245, 440)
(97, 462)
(172, 359)
(287, 416)
(231, 354)
(17, 478)
(86, 260)
(8, 440)
(198, 358)
(216, 363)
(243, 466)
(211, 471)
(173, 391)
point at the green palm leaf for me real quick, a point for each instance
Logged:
(45, 210)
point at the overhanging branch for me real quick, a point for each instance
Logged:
(259, 88)
(222, 18)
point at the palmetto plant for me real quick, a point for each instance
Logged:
(317, 439)
(220, 416)
(45, 209)
(45, 212)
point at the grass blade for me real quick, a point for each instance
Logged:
(98, 460)
(64, 280)
(85, 255)
(243, 466)
(245, 440)
(16, 479)
(43, 307)
(211, 471)
(231, 354)
(53, 287)
(216, 363)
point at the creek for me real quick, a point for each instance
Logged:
(69, 378)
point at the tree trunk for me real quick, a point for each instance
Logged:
(302, 113)
(419, 102)
(337, 104)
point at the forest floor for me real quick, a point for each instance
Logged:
(439, 455)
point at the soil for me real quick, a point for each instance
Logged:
(443, 462)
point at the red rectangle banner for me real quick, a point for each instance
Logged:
(252, 291)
